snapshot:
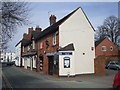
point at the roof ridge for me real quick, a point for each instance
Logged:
(56, 25)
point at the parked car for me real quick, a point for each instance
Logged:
(116, 83)
(8, 63)
(113, 65)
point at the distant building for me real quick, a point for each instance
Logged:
(105, 47)
(8, 56)
(18, 54)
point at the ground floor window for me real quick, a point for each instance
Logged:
(41, 62)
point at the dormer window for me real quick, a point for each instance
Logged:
(54, 39)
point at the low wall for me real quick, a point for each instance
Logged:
(101, 61)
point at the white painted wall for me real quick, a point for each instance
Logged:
(18, 54)
(8, 56)
(77, 30)
(65, 71)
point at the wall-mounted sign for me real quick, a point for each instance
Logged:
(66, 62)
(66, 53)
(58, 53)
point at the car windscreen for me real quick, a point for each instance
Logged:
(118, 63)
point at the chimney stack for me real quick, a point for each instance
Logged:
(38, 29)
(30, 30)
(52, 19)
(25, 36)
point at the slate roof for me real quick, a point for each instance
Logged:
(25, 42)
(98, 42)
(35, 34)
(69, 47)
(53, 27)
(18, 43)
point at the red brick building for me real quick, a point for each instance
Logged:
(56, 51)
(105, 47)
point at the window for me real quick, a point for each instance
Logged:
(23, 49)
(41, 45)
(103, 48)
(111, 48)
(54, 39)
(33, 44)
(41, 62)
(28, 48)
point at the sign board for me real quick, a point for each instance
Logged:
(59, 53)
(66, 53)
(66, 62)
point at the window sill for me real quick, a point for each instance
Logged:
(54, 45)
(41, 48)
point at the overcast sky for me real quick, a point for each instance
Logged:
(95, 11)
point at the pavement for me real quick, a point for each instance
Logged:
(22, 78)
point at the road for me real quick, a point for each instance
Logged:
(22, 78)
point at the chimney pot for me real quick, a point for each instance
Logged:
(38, 28)
(52, 19)
(30, 30)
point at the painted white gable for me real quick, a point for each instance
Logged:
(77, 30)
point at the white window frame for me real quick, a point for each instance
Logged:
(33, 44)
(104, 49)
(111, 48)
(28, 48)
(23, 49)
(41, 44)
(54, 39)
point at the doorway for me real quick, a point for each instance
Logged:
(50, 65)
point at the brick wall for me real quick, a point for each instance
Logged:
(108, 44)
(101, 61)
(46, 49)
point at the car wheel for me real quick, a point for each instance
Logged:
(118, 88)
(108, 67)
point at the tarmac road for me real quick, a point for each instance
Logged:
(22, 78)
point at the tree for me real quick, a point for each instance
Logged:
(12, 15)
(109, 29)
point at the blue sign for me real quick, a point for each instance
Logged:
(66, 53)
(58, 53)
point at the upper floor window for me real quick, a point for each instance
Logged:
(111, 48)
(23, 49)
(103, 48)
(54, 39)
(41, 44)
(33, 44)
(28, 48)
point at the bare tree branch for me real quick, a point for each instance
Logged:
(109, 29)
(13, 14)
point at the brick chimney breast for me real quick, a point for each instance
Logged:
(30, 30)
(25, 36)
(52, 19)
(38, 29)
